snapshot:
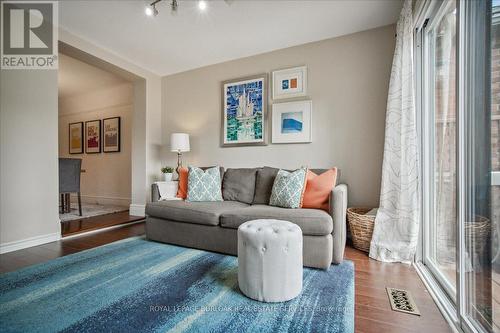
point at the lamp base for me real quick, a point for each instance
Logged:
(179, 162)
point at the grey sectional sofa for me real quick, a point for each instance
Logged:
(213, 226)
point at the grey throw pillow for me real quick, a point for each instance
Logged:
(264, 185)
(239, 185)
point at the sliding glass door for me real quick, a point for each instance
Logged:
(495, 165)
(440, 41)
(458, 93)
(476, 127)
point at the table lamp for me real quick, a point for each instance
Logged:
(179, 143)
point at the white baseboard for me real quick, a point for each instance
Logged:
(101, 230)
(137, 210)
(102, 200)
(29, 242)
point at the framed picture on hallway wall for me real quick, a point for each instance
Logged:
(111, 135)
(244, 111)
(93, 136)
(76, 138)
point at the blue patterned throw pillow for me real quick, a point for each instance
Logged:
(288, 188)
(204, 185)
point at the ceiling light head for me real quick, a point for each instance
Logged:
(151, 10)
(202, 4)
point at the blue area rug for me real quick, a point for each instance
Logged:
(136, 285)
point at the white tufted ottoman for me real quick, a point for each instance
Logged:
(270, 260)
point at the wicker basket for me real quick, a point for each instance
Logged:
(477, 234)
(361, 227)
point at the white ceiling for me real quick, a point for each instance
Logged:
(227, 30)
(76, 77)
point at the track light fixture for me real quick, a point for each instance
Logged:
(151, 10)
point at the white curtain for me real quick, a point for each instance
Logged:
(396, 228)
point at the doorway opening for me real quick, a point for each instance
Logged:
(96, 107)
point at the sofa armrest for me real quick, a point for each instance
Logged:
(338, 210)
(155, 193)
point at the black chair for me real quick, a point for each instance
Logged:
(69, 182)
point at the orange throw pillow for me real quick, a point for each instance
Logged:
(182, 190)
(318, 188)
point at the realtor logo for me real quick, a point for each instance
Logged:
(29, 34)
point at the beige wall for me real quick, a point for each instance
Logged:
(348, 80)
(107, 177)
(28, 157)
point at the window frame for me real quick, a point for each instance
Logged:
(426, 111)
(428, 12)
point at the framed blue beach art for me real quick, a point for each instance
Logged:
(292, 122)
(244, 111)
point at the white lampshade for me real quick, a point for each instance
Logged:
(179, 142)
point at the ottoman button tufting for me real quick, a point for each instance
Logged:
(270, 262)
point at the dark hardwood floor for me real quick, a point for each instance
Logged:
(372, 309)
(15, 260)
(74, 227)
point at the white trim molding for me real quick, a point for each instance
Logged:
(495, 178)
(137, 210)
(439, 296)
(105, 108)
(102, 200)
(29, 242)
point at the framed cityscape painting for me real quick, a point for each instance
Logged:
(292, 122)
(93, 136)
(111, 135)
(244, 111)
(76, 138)
(290, 83)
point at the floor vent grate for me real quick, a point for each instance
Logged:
(402, 301)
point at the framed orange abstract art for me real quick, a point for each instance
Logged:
(290, 83)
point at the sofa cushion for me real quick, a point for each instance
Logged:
(221, 169)
(288, 188)
(182, 188)
(239, 185)
(207, 213)
(318, 189)
(264, 181)
(321, 171)
(204, 185)
(313, 222)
